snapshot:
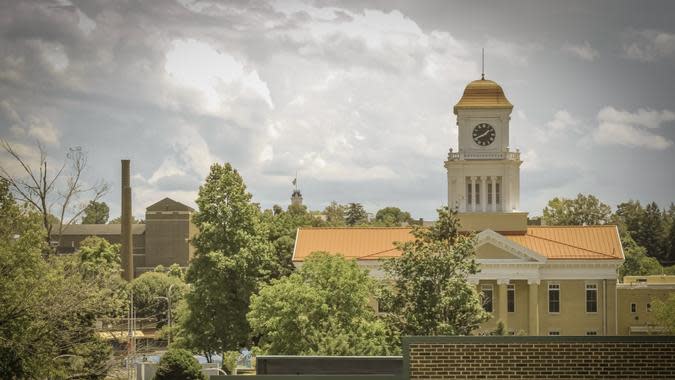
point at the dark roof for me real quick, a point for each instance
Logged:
(168, 204)
(99, 229)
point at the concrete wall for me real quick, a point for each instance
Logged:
(167, 235)
(542, 358)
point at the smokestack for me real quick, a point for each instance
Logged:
(127, 242)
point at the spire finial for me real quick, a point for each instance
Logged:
(482, 73)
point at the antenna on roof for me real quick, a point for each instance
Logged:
(482, 73)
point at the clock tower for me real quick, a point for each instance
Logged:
(484, 174)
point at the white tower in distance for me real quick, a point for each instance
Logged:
(484, 175)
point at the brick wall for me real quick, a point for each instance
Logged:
(576, 358)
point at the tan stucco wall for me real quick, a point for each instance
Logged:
(496, 221)
(489, 251)
(572, 319)
(640, 296)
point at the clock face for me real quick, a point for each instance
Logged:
(483, 134)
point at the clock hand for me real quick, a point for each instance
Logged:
(484, 134)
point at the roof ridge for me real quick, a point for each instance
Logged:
(570, 245)
(355, 228)
(576, 226)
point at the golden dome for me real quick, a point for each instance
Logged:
(483, 93)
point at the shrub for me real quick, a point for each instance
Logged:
(179, 364)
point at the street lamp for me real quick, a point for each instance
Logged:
(168, 302)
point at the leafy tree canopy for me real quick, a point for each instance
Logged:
(152, 293)
(584, 210)
(430, 294)
(179, 364)
(335, 214)
(321, 309)
(96, 213)
(392, 216)
(637, 262)
(233, 259)
(664, 313)
(355, 214)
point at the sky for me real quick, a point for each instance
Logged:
(354, 96)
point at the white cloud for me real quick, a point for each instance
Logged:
(583, 51)
(219, 77)
(649, 45)
(635, 129)
(563, 123)
(53, 53)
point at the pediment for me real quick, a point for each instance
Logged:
(491, 246)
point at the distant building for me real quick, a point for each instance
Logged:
(636, 297)
(536, 280)
(164, 239)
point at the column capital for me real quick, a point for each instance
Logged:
(533, 281)
(473, 280)
(502, 281)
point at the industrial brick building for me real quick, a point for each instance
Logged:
(164, 238)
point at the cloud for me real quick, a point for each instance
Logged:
(649, 45)
(218, 77)
(583, 51)
(562, 124)
(32, 126)
(634, 129)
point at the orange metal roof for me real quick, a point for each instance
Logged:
(483, 93)
(373, 243)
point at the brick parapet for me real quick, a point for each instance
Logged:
(539, 358)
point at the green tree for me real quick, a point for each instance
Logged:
(282, 227)
(233, 258)
(49, 304)
(651, 234)
(430, 294)
(664, 313)
(179, 364)
(629, 217)
(153, 292)
(97, 254)
(637, 262)
(584, 210)
(335, 214)
(321, 309)
(392, 216)
(355, 214)
(670, 239)
(96, 213)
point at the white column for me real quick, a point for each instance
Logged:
(483, 193)
(533, 307)
(502, 306)
(461, 193)
(493, 181)
(473, 194)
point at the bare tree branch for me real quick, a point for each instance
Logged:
(43, 191)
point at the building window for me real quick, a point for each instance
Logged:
(489, 193)
(649, 308)
(511, 298)
(554, 298)
(497, 194)
(478, 193)
(468, 193)
(554, 332)
(591, 333)
(486, 293)
(591, 298)
(633, 308)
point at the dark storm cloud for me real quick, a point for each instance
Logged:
(355, 96)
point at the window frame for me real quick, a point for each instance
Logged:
(554, 332)
(592, 333)
(548, 295)
(591, 286)
(488, 287)
(648, 307)
(510, 290)
(633, 307)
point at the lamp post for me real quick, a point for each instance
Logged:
(168, 302)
